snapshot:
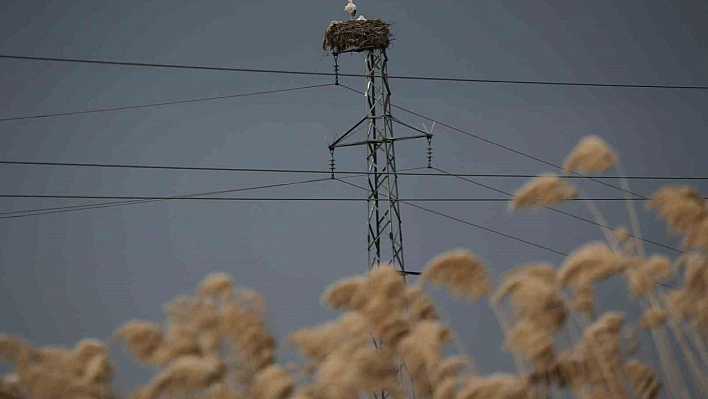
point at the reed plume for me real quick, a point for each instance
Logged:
(543, 191)
(591, 155)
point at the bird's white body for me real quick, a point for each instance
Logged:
(350, 9)
(361, 18)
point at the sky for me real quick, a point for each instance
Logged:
(79, 274)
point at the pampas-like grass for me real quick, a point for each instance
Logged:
(680, 206)
(498, 386)
(273, 382)
(55, 372)
(584, 299)
(218, 284)
(446, 388)
(460, 271)
(643, 378)
(250, 333)
(143, 338)
(341, 294)
(317, 343)
(621, 234)
(545, 190)
(11, 348)
(653, 317)
(533, 342)
(591, 155)
(535, 297)
(590, 263)
(697, 236)
(10, 387)
(354, 368)
(215, 343)
(420, 307)
(645, 276)
(421, 350)
(186, 374)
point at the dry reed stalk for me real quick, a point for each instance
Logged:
(380, 297)
(220, 390)
(319, 342)
(186, 374)
(667, 360)
(696, 284)
(666, 355)
(700, 380)
(632, 211)
(352, 369)
(590, 263)
(83, 372)
(681, 207)
(273, 382)
(421, 351)
(610, 236)
(697, 236)
(645, 276)
(643, 378)
(621, 234)
(603, 341)
(498, 386)
(249, 332)
(584, 300)
(591, 155)
(653, 318)
(542, 191)
(518, 361)
(698, 342)
(219, 285)
(460, 271)
(420, 307)
(10, 387)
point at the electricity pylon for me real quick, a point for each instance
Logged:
(385, 237)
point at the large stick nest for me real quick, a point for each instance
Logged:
(342, 36)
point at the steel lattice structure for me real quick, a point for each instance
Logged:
(385, 237)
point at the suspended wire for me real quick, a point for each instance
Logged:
(326, 172)
(136, 197)
(559, 211)
(161, 104)
(331, 74)
(150, 199)
(503, 146)
(464, 221)
(142, 200)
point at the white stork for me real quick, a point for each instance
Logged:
(361, 18)
(350, 9)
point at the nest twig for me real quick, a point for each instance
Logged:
(342, 36)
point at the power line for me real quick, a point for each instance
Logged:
(468, 223)
(161, 104)
(326, 172)
(561, 212)
(504, 147)
(312, 73)
(291, 199)
(156, 199)
(73, 208)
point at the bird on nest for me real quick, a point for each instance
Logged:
(350, 9)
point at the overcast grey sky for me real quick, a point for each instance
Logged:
(77, 274)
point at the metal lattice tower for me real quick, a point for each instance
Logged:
(385, 238)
